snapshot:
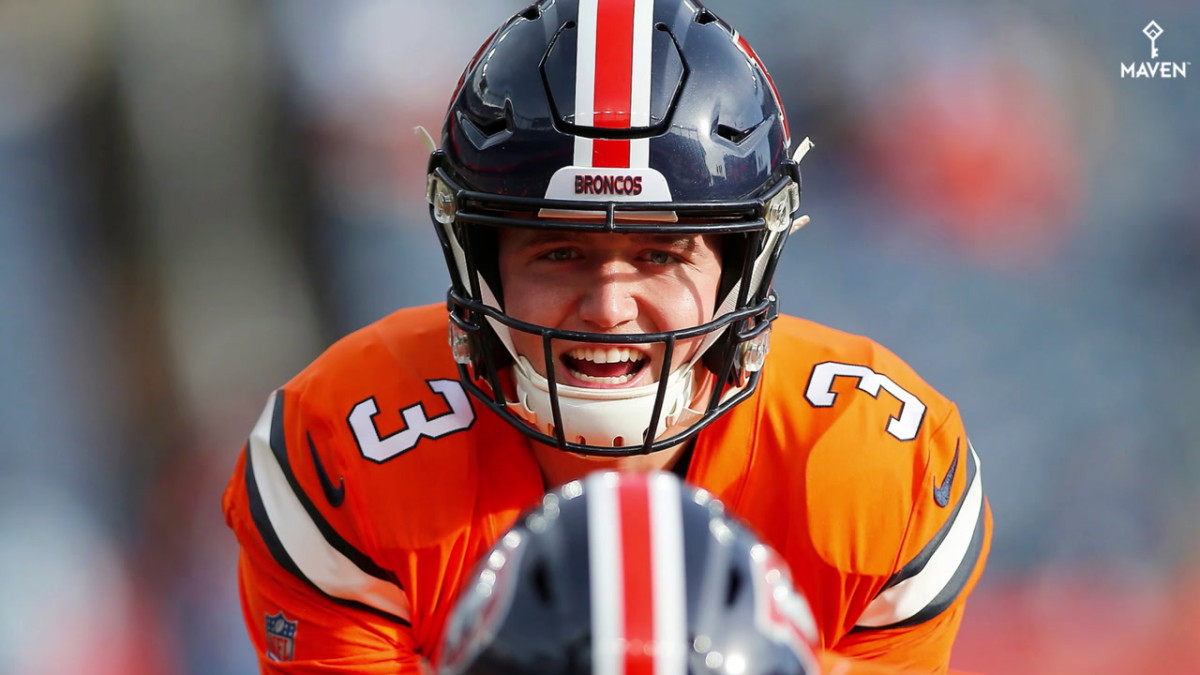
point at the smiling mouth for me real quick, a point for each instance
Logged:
(604, 366)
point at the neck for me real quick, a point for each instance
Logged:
(559, 468)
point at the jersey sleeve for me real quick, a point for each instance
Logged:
(313, 601)
(913, 620)
(297, 630)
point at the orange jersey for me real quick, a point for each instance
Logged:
(372, 484)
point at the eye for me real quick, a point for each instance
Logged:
(660, 257)
(560, 254)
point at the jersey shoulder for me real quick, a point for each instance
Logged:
(382, 411)
(800, 346)
(373, 454)
(378, 421)
(405, 347)
(854, 409)
(852, 442)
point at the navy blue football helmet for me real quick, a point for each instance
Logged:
(626, 573)
(614, 116)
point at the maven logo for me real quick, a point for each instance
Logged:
(1166, 69)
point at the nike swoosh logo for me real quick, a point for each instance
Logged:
(941, 493)
(337, 495)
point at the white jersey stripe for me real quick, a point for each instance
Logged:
(670, 603)
(910, 596)
(604, 567)
(320, 562)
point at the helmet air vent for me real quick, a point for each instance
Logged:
(493, 125)
(734, 588)
(734, 135)
(541, 583)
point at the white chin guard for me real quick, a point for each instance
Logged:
(605, 417)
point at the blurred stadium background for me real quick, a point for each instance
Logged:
(197, 197)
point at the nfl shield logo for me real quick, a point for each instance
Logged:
(281, 637)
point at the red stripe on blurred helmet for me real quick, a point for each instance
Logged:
(637, 566)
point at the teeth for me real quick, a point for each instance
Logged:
(603, 380)
(610, 355)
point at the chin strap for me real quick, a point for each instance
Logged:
(607, 417)
(425, 136)
(801, 150)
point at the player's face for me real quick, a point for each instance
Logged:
(608, 283)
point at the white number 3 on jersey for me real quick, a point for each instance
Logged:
(903, 426)
(417, 425)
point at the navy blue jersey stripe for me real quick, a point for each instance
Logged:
(918, 563)
(263, 522)
(962, 574)
(266, 530)
(957, 582)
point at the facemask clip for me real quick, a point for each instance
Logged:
(441, 197)
(754, 352)
(460, 345)
(779, 210)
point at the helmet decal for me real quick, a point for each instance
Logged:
(606, 185)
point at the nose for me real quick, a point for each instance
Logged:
(610, 300)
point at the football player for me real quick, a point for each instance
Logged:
(614, 185)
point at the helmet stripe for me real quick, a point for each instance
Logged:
(614, 63)
(604, 568)
(585, 79)
(639, 102)
(639, 605)
(670, 598)
(612, 79)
